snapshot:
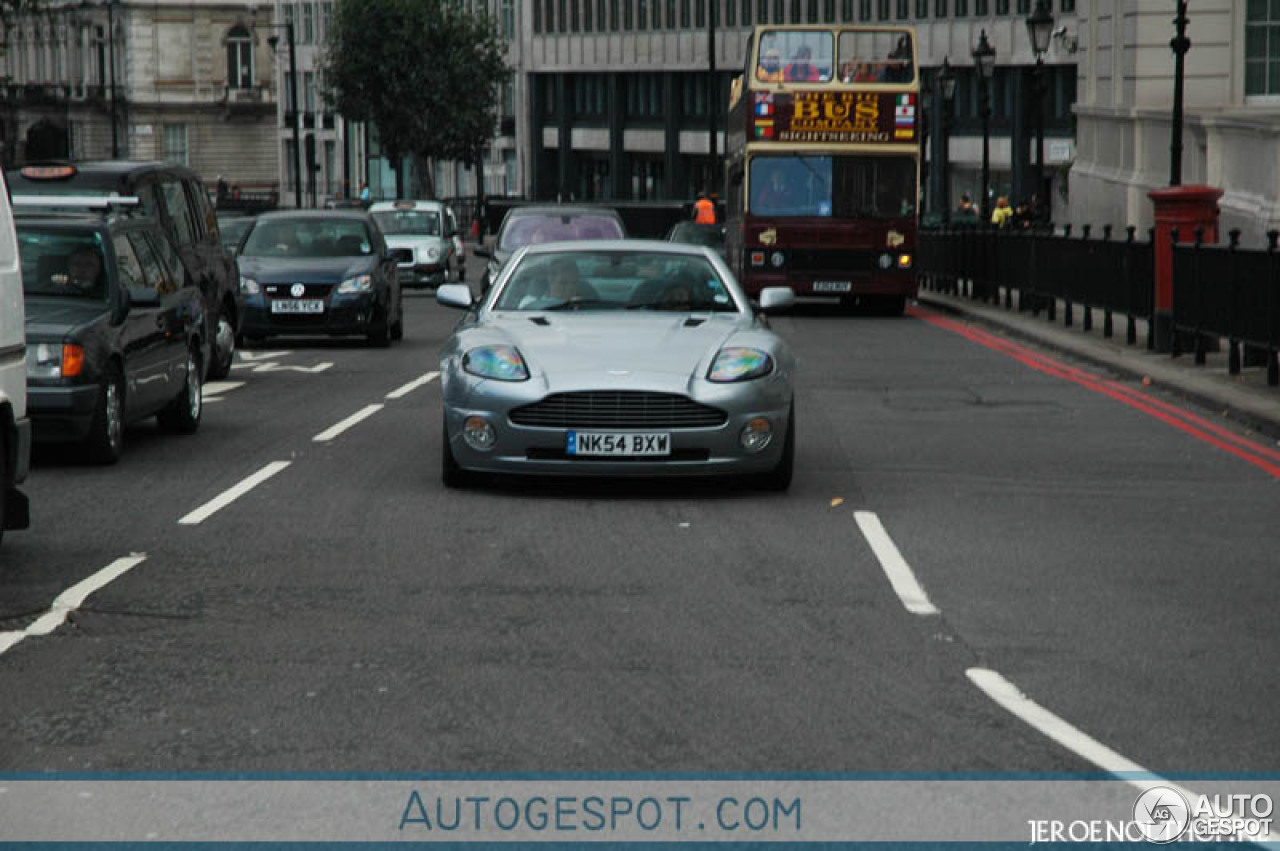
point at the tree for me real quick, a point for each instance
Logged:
(426, 73)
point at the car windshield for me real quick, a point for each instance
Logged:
(308, 238)
(531, 229)
(711, 236)
(853, 187)
(60, 263)
(615, 280)
(232, 230)
(408, 222)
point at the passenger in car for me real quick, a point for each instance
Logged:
(84, 271)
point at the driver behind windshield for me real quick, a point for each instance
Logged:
(562, 283)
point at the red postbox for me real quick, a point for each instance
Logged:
(1180, 208)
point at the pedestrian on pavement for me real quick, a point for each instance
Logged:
(1001, 214)
(704, 212)
(364, 192)
(966, 213)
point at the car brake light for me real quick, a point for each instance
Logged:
(72, 360)
(48, 172)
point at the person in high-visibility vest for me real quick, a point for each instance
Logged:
(704, 212)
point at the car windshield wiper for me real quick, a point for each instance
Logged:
(577, 303)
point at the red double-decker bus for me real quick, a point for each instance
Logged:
(823, 164)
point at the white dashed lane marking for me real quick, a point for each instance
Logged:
(360, 415)
(413, 385)
(232, 494)
(70, 600)
(894, 565)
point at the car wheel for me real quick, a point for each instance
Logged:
(182, 415)
(397, 327)
(106, 432)
(224, 347)
(779, 478)
(451, 474)
(379, 334)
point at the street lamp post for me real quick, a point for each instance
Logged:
(294, 118)
(1040, 28)
(111, 61)
(946, 94)
(1180, 44)
(984, 57)
(712, 94)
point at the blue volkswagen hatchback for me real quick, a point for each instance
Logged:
(319, 273)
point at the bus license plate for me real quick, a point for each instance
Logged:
(832, 286)
(617, 444)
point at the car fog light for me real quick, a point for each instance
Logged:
(478, 434)
(756, 434)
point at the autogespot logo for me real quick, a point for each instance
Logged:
(1161, 814)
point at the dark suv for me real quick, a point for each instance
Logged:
(115, 329)
(178, 201)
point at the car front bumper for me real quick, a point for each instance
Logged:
(343, 315)
(423, 275)
(61, 414)
(703, 451)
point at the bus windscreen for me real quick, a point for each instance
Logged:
(842, 187)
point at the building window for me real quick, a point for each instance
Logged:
(962, 8)
(239, 58)
(309, 91)
(1068, 6)
(829, 11)
(731, 13)
(175, 143)
(1024, 7)
(904, 9)
(882, 10)
(308, 23)
(656, 11)
(537, 16)
(922, 9)
(762, 12)
(613, 15)
(509, 19)
(326, 20)
(940, 8)
(574, 23)
(1002, 7)
(1262, 48)
(601, 13)
(980, 7)
(700, 13)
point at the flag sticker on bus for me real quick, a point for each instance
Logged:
(904, 117)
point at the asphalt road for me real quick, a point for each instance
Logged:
(349, 613)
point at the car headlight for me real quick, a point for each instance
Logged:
(735, 363)
(428, 255)
(358, 284)
(54, 360)
(503, 363)
(249, 286)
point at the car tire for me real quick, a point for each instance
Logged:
(223, 351)
(779, 478)
(397, 327)
(380, 330)
(451, 474)
(105, 443)
(182, 415)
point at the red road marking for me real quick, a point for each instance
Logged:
(1262, 457)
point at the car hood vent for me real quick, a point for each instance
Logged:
(540, 320)
(694, 321)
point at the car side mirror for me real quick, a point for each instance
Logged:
(142, 297)
(481, 251)
(455, 295)
(777, 299)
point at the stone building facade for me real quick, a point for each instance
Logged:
(1124, 112)
(188, 81)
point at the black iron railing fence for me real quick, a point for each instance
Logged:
(1219, 292)
(1227, 293)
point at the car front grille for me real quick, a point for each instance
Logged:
(618, 409)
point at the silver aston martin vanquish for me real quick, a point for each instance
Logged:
(617, 358)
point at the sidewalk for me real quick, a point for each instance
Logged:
(1245, 398)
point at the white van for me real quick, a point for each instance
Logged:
(15, 429)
